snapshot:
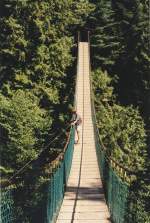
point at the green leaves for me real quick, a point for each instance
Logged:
(122, 131)
(36, 42)
(119, 40)
(104, 37)
(22, 123)
(121, 128)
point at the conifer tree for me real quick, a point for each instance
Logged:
(105, 43)
(134, 59)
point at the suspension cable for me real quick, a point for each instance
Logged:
(130, 172)
(46, 148)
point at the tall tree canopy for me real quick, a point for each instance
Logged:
(119, 38)
(36, 40)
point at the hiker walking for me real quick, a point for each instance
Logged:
(76, 121)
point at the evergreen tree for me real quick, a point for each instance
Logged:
(105, 43)
(121, 128)
(35, 54)
(134, 60)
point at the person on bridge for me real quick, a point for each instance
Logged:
(76, 121)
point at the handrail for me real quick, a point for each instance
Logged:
(58, 167)
(8, 182)
(112, 161)
(116, 190)
(60, 157)
(58, 174)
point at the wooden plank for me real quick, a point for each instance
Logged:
(84, 200)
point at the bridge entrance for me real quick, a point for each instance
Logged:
(83, 36)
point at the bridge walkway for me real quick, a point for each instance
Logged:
(84, 200)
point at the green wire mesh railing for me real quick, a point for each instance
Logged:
(60, 169)
(116, 190)
(58, 182)
(56, 186)
(6, 206)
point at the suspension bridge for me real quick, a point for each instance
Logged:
(84, 198)
(83, 186)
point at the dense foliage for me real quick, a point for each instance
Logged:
(123, 135)
(119, 40)
(36, 89)
(35, 57)
(23, 124)
(121, 128)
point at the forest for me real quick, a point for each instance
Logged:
(38, 57)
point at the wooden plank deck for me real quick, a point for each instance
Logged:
(84, 200)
